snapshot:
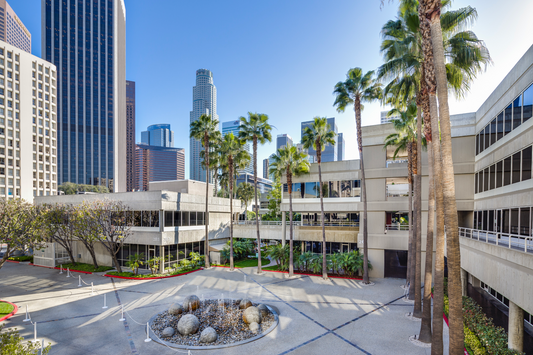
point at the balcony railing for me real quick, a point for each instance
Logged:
(299, 223)
(397, 227)
(505, 240)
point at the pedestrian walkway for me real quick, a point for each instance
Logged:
(337, 316)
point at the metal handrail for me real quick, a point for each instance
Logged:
(299, 223)
(397, 227)
(507, 240)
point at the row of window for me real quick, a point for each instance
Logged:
(510, 170)
(330, 217)
(184, 218)
(9, 54)
(527, 317)
(518, 112)
(508, 220)
(330, 189)
(173, 253)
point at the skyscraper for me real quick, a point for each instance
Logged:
(158, 135)
(283, 140)
(204, 101)
(86, 40)
(12, 30)
(130, 135)
(234, 127)
(155, 163)
(330, 153)
(340, 147)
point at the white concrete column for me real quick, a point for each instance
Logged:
(464, 282)
(283, 228)
(516, 327)
(162, 264)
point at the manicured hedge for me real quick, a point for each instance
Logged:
(22, 258)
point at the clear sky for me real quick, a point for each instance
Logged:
(278, 57)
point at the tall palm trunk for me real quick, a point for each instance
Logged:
(230, 163)
(206, 244)
(319, 160)
(412, 219)
(417, 312)
(357, 108)
(291, 257)
(259, 271)
(448, 185)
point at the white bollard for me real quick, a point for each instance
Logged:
(147, 340)
(60, 269)
(92, 289)
(35, 340)
(28, 318)
(244, 278)
(42, 347)
(122, 319)
(79, 280)
(68, 272)
(105, 304)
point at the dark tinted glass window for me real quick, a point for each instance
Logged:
(514, 221)
(169, 219)
(507, 171)
(487, 136)
(476, 183)
(499, 173)
(493, 131)
(508, 119)
(155, 219)
(146, 218)
(485, 221)
(526, 163)
(184, 218)
(177, 218)
(486, 179)
(492, 170)
(528, 103)
(505, 228)
(517, 112)
(477, 144)
(500, 126)
(490, 221)
(192, 216)
(481, 141)
(525, 220)
(516, 167)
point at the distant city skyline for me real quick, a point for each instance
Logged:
(158, 135)
(234, 127)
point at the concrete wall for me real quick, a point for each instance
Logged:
(333, 234)
(191, 187)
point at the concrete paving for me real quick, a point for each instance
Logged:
(316, 316)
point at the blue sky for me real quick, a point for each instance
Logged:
(277, 57)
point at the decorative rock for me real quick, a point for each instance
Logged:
(245, 303)
(175, 309)
(263, 309)
(254, 327)
(208, 335)
(191, 302)
(188, 324)
(251, 315)
(168, 332)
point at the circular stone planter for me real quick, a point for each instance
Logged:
(210, 347)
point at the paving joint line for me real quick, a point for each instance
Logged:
(130, 338)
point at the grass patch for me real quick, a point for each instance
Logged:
(144, 276)
(86, 267)
(249, 262)
(273, 268)
(22, 258)
(5, 309)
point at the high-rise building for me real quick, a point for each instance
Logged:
(340, 147)
(86, 40)
(159, 135)
(283, 140)
(330, 152)
(154, 163)
(204, 101)
(12, 30)
(28, 128)
(130, 135)
(266, 165)
(385, 119)
(234, 127)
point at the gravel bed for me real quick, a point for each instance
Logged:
(226, 320)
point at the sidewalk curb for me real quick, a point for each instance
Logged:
(15, 309)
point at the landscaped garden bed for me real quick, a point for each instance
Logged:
(131, 275)
(275, 268)
(7, 309)
(24, 258)
(249, 262)
(86, 267)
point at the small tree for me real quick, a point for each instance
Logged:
(86, 227)
(12, 343)
(274, 202)
(61, 227)
(114, 226)
(135, 261)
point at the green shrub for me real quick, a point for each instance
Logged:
(472, 343)
(22, 258)
(12, 343)
(86, 267)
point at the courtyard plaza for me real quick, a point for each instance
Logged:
(338, 316)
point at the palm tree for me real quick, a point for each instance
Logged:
(215, 160)
(203, 129)
(317, 136)
(256, 129)
(292, 163)
(245, 191)
(359, 88)
(232, 149)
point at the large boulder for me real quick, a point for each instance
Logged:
(263, 309)
(188, 324)
(251, 315)
(168, 332)
(191, 302)
(208, 335)
(254, 327)
(245, 303)
(175, 309)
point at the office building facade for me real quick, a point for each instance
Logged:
(154, 163)
(234, 127)
(330, 152)
(204, 101)
(12, 30)
(130, 135)
(28, 125)
(159, 135)
(283, 140)
(86, 40)
(340, 147)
